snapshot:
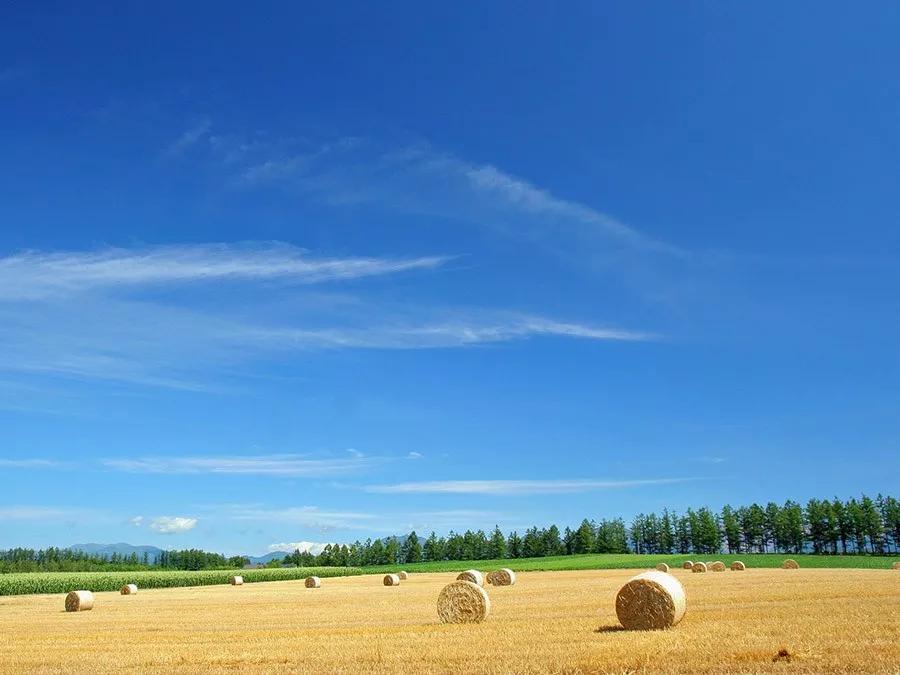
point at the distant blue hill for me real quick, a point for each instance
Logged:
(268, 557)
(107, 550)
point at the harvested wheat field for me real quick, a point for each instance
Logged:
(762, 620)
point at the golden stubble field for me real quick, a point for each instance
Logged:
(549, 622)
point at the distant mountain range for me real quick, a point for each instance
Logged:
(123, 549)
(153, 552)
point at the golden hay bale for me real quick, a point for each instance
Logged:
(128, 589)
(738, 566)
(650, 601)
(236, 580)
(687, 565)
(718, 566)
(698, 567)
(502, 577)
(474, 576)
(790, 564)
(403, 575)
(391, 579)
(662, 567)
(313, 582)
(463, 602)
(79, 601)
(895, 566)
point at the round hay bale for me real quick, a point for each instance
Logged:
(463, 602)
(79, 601)
(790, 564)
(391, 580)
(895, 566)
(738, 566)
(687, 564)
(474, 576)
(698, 567)
(128, 589)
(651, 601)
(662, 567)
(236, 580)
(313, 582)
(403, 575)
(718, 566)
(502, 577)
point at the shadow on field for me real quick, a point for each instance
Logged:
(612, 628)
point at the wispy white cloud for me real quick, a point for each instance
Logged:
(496, 327)
(147, 316)
(313, 547)
(327, 520)
(515, 487)
(190, 137)
(420, 179)
(32, 464)
(34, 275)
(33, 513)
(263, 465)
(415, 455)
(137, 521)
(172, 524)
(312, 517)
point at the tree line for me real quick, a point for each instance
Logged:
(67, 560)
(856, 526)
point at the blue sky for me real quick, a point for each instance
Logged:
(318, 274)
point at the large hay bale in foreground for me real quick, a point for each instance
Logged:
(895, 566)
(128, 589)
(698, 567)
(790, 564)
(662, 567)
(79, 601)
(463, 602)
(403, 575)
(502, 577)
(687, 565)
(391, 580)
(313, 582)
(473, 576)
(738, 566)
(236, 580)
(651, 601)
(718, 566)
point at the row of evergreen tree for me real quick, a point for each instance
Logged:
(863, 525)
(67, 560)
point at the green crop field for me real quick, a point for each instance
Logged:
(63, 582)
(632, 560)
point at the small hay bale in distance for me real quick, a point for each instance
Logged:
(662, 567)
(738, 566)
(391, 580)
(236, 580)
(687, 564)
(79, 601)
(698, 567)
(718, 566)
(895, 566)
(463, 602)
(128, 589)
(313, 582)
(502, 577)
(790, 564)
(473, 576)
(651, 601)
(403, 575)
